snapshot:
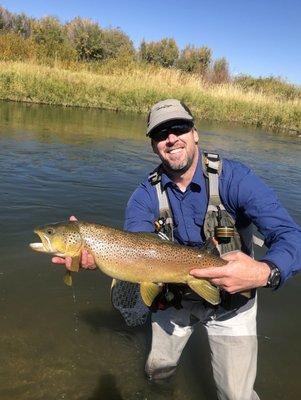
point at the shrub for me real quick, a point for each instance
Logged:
(271, 86)
(51, 39)
(95, 44)
(85, 37)
(5, 19)
(195, 60)
(164, 52)
(115, 44)
(13, 47)
(220, 71)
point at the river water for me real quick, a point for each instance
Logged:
(63, 343)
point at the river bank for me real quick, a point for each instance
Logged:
(135, 90)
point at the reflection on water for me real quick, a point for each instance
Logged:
(55, 345)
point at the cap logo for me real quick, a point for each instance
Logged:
(164, 106)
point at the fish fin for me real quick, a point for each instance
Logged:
(75, 264)
(246, 294)
(204, 289)
(113, 284)
(149, 291)
(68, 278)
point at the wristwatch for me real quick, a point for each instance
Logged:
(274, 277)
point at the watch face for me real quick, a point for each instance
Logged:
(274, 279)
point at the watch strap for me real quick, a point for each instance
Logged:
(274, 277)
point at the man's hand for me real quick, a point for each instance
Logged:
(87, 260)
(241, 273)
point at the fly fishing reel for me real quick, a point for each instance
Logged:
(222, 233)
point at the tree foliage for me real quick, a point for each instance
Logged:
(93, 43)
(51, 39)
(164, 52)
(269, 85)
(195, 59)
(116, 43)
(220, 71)
(14, 47)
(85, 37)
(17, 23)
(5, 19)
(47, 39)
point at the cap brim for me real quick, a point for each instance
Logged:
(161, 121)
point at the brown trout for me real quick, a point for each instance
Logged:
(135, 257)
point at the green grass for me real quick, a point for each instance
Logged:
(137, 88)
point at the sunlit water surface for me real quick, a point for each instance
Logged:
(62, 343)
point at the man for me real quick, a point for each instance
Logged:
(192, 198)
(182, 176)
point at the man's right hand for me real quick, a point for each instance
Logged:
(87, 260)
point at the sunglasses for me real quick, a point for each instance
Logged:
(178, 130)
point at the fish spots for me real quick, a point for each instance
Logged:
(73, 238)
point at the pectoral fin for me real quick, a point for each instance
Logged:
(75, 264)
(68, 278)
(149, 291)
(204, 289)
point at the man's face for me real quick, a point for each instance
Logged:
(177, 151)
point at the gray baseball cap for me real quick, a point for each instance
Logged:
(167, 110)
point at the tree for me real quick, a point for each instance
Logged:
(17, 23)
(21, 25)
(85, 36)
(115, 44)
(5, 19)
(51, 39)
(164, 52)
(14, 47)
(195, 60)
(220, 71)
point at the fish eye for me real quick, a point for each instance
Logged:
(50, 231)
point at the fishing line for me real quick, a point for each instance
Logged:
(75, 311)
(76, 325)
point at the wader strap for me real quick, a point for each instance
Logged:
(212, 168)
(155, 176)
(164, 206)
(257, 241)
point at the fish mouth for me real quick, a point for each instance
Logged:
(44, 246)
(39, 246)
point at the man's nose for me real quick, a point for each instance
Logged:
(171, 138)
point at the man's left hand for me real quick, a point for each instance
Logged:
(240, 273)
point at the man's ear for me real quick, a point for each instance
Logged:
(195, 135)
(154, 146)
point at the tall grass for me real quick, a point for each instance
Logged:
(137, 88)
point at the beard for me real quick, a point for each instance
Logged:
(178, 167)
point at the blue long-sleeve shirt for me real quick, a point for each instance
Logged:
(244, 195)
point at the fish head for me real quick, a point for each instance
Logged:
(61, 239)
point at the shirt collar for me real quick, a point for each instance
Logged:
(198, 177)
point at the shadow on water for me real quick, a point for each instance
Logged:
(197, 365)
(106, 389)
(194, 369)
(98, 319)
